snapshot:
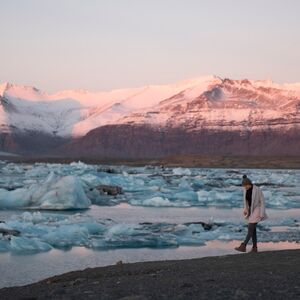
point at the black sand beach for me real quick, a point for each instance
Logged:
(264, 275)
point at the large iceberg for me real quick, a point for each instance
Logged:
(54, 192)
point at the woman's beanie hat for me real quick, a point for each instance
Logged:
(246, 180)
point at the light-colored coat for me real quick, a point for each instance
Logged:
(258, 210)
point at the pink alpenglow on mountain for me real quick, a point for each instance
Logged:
(206, 115)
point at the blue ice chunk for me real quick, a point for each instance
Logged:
(24, 244)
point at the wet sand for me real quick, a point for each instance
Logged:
(264, 275)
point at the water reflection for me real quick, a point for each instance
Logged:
(25, 269)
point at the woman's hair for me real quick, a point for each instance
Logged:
(246, 180)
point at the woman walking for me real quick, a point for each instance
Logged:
(254, 212)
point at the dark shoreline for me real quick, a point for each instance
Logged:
(264, 275)
(190, 161)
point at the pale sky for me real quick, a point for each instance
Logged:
(107, 44)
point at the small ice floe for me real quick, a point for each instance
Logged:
(158, 202)
(182, 171)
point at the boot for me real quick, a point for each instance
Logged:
(254, 249)
(241, 248)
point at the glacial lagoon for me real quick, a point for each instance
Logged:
(66, 223)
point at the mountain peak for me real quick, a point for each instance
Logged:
(200, 79)
(4, 86)
(22, 91)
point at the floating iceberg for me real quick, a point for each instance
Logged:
(155, 201)
(40, 231)
(24, 245)
(55, 192)
(182, 171)
(72, 186)
(45, 186)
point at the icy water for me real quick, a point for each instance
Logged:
(66, 224)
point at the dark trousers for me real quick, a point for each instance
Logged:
(251, 234)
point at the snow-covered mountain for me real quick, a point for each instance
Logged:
(203, 105)
(76, 112)
(227, 104)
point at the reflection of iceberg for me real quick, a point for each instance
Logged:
(54, 192)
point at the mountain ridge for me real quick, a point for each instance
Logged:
(200, 109)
